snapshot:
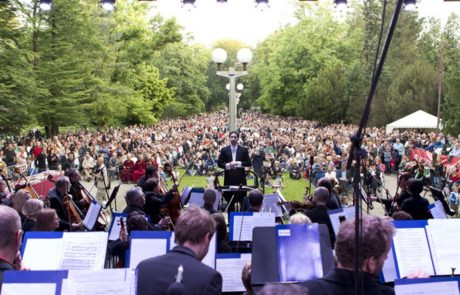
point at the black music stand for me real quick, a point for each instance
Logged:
(112, 197)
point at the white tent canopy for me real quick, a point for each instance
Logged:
(419, 119)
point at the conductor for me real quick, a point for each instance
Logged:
(234, 158)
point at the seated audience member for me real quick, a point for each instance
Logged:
(135, 201)
(10, 240)
(222, 234)
(376, 240)
(256, 200)
(299, 218)
(139, 170)
(282, 289)
(246, 279)
(319, 213)
(209, 199)
(193, 232)
(30, 211)
(127, 169)
(19, 199)
(416, 205)
(47, 220)
(334, 200)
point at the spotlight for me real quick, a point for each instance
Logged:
(45, 5)
(108, 5)
(262, 4)
(240, 86)
(409, 5)
(340, 5)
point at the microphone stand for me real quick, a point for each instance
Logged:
(356, 153)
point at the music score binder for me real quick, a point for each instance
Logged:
(230, 266)
(33, 282)
(427, 245)
(115, 225)
(149, 244)
(64, 251)
(242, 224)
(428, 286)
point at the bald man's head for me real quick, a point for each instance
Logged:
(10, 224)
(321, 196)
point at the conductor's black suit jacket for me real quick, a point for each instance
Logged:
(234, 176)
(155, 275)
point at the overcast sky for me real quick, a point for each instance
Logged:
(240, 19)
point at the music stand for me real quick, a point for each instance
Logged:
(438, 195)
(113, 196)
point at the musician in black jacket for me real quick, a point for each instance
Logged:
(56, 199)
(234, 159)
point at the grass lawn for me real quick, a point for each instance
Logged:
(293, 189)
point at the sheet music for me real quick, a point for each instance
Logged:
(438, 288)
(196, 198)
(389, 268)
(412, 251)
(210, 258)
(104, 275)
(116, 227)
(244, 224)
(437, 210)
(70, 287)
(444, 238)
(92, 215)
(42, 254)
(85, 251)
(347, 212)
(270, 204)
(142, 249)
(29, 288)
(230, 269)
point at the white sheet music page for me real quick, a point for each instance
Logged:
(43, 254)
(92, 215)
(84, 251)
(438, 210)
(230, 269)
(142, 249)
(270, 204)
(116, 227)
(412, 251)
(103, 275)
(444, 238)
(29, 288)
(389, 268)
(70, 287)
(210, 258)
(438, 288)
(243, 225)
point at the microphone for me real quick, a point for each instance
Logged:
(177, 288)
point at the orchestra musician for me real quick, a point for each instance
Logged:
(155, 200)
(76, 190)
(56, 199)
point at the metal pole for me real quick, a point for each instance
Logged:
(232, 102)
(441, 64)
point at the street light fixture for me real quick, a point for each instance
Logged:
(45, 5)
(244, 56)
(108, 5)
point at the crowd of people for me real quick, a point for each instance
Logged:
(269, 145)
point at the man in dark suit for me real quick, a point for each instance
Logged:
(416, 205)
(376, 240)
(234, 159)
(193, 232)
(56, 199)
(319, 213)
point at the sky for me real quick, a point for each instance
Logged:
(241, 20)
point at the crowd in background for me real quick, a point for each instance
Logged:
(276, 145)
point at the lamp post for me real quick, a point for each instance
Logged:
(244, 56)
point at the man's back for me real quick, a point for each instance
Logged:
(341, 282)
(154, 275)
